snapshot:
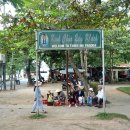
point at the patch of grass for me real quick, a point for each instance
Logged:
(124, 89)
(110, 116)
(37, 116)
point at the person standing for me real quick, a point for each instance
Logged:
(38, 104)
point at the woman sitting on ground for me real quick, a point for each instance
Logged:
(90, 97)
(60, 95)
(98, 99)
(72, 97)
(50, 98)
(81, 95)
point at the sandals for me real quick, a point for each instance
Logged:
(44, 111)
(33, 112)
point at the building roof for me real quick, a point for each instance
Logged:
(122, 66)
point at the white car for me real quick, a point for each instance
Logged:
(45, 75)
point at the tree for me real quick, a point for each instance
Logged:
(56, 14)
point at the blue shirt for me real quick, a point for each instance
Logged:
(38, 93)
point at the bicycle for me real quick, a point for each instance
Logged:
(1, 85)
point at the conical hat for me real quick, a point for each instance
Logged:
(58, 90)
(39, 83)
(90, 89)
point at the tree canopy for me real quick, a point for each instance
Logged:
(113, 17)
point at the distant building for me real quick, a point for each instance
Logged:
(121, 72)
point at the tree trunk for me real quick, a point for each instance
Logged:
(111, 66)
(4, 75)
(11, 71)
(28, 71)
(82, 58)
(71, 61)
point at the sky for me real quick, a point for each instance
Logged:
(8, 9)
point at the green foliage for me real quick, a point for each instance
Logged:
(117, 46)
(94, 85)
(16, 3)
(54, 57)
(110, 116)
(33, 15)
(94, 58)
(124, 89)
(37, 116)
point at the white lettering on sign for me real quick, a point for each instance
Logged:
(90, 45)
(91, 38)
(54, 39)
(67, 39)
(67, 45)
(78, 39)
(54, 46)
(57, 45)
(75, 45)
(81, 45)
(61, 46)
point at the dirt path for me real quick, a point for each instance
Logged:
(15, 108)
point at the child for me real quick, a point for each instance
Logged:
(81, 95)
(90, 97)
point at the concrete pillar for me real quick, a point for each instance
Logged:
(116, 74)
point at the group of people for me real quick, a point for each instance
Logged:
(76, 97)
(56, 100)
(38, 103)
(93, 99)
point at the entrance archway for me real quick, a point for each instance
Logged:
(71, 40)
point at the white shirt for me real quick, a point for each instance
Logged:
(100, 94)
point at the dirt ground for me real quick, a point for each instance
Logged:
(15, 108)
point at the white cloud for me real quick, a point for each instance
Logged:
(8, 9)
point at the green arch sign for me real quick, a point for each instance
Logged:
(68, 39)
